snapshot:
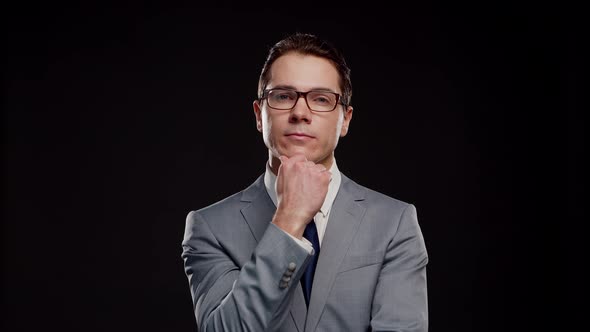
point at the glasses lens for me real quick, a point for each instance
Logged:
(322, 101)
(282, 99)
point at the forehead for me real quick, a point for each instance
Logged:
(304, 72)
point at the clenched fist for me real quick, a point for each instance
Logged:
(301, 188)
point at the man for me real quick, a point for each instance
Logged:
(305, 248)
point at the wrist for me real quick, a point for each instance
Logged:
(291, 221)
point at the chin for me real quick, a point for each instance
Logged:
(291, 152)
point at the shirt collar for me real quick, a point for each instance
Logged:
(270, 183)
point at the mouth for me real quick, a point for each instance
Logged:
(299, 135)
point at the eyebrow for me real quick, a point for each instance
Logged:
(290, 87)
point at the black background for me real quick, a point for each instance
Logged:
(120, 119)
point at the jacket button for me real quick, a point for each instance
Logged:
(283, 284)
(292, 266)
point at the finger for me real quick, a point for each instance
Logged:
(320, 167)
(309, 164)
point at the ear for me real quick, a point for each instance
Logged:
(346, 121)
(258, 115)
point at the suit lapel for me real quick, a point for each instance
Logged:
(258, 214)
(343, 224)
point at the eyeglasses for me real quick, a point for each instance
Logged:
(317, 101)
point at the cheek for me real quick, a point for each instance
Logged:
(265, 127)
(268, 128)
(335, 135)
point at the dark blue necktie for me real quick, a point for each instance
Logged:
(311, 234)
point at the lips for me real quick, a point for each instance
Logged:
(299, 135)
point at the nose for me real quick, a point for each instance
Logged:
(300, 112)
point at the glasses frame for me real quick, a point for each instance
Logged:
(266, 92)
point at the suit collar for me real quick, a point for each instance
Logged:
(251, 193)
(352, 189)
(355, 191)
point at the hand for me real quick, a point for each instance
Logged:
(301, 188)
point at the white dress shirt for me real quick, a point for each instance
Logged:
(321, 218)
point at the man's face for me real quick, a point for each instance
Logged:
(301, 130)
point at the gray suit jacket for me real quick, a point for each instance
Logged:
(371, 272)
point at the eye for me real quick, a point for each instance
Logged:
(322, 98)
(281, 95)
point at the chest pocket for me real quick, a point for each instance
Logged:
(353, 262)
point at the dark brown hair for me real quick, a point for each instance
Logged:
(308, 44)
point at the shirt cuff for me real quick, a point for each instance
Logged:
(304, 243)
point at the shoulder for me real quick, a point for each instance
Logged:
(386, 214)
(230, 206)
(389, 217)
(372, 198)
(386, 221)
(220, 206)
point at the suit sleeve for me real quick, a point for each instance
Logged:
(227, 297)
(400, 300)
